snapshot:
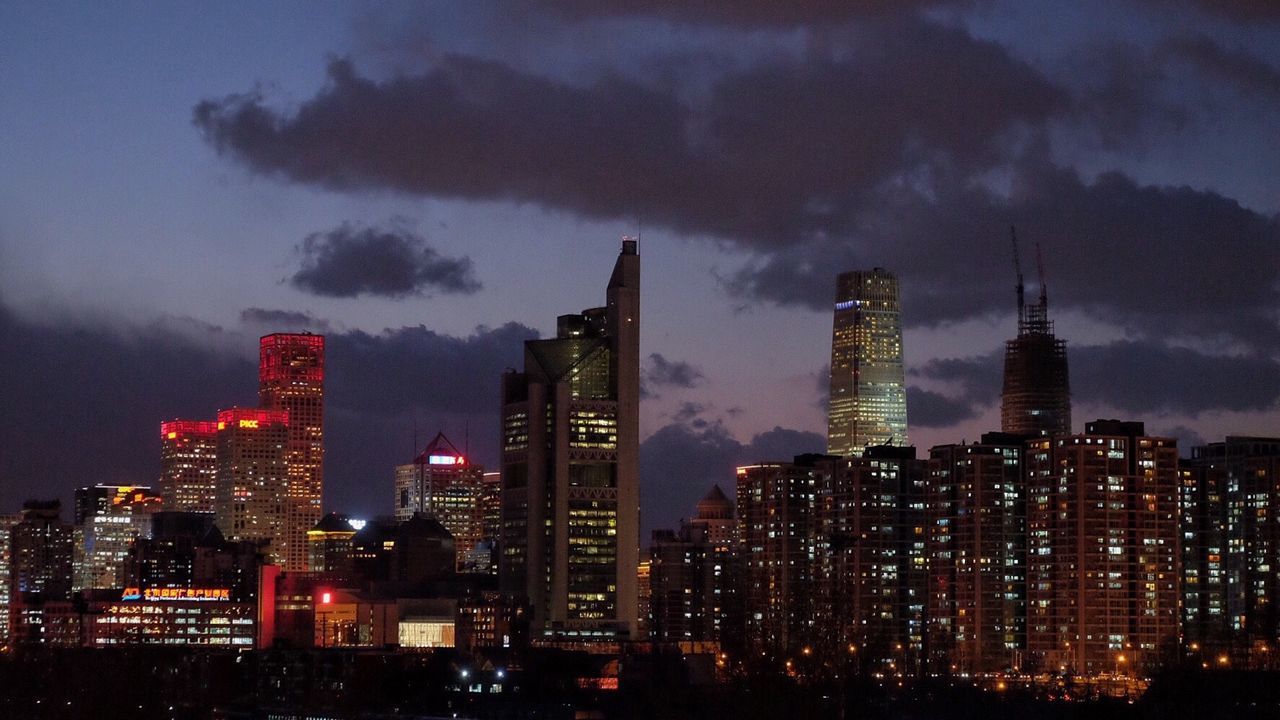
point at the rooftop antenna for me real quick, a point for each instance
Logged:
(1017, 269)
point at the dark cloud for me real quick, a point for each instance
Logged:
(1247, 72)
(1140, 377)
(929, 409)
(747, 13)
(680, 462)
(1186, 437)
(894, 142)
(282, 320)
(391, 262)
(773, 153)
(672, 373)
(688, 411)
(1158, 261)
(105, 393)
(1245, 11)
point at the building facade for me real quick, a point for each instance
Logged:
(291, 379)
(1102, 563)
(111, 518)
(977, 553)
(570, 456)
(868, 401)
(188, 465)
(690, 572)
(252, 478)
(1230, 536)
(443, 483)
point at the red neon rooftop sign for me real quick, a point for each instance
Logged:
(251, 418)
(174, 429)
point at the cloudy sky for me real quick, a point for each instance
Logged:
(431, 184)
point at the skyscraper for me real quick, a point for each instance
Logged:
(188, 463)
(291, 378)
(253, 477)
(1037, 392)
(109, 518)
(443, 483)
(570, 506)
(868, 387)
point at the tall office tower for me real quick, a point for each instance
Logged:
(871, 558)
(570, 476)
(252, 478)
(1230, 548)
(1102, 537)
(714, 515)
(977, 551)
(110, 519)
(868, 388)
(1037, 391)
(777, 543)
(6, 561)
(443, 483)
(188, 464)
(291, 378)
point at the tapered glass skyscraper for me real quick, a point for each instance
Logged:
(868, 387)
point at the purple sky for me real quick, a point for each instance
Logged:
(432, 184)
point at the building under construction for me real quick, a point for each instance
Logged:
(1037, 393)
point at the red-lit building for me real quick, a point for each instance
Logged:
(252, 477)
(291, 379)
(188, 465)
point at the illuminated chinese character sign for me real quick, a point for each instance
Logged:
(173, 594)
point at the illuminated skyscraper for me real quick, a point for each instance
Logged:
(291, 378)
(442, 483)
(868, 387)
(570, 505)
(188, 463)
(1037, 392)
(109, 518)
(253, 477)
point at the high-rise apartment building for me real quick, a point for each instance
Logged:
(871, 563)
(1102, 535)
(291, 379)
(41, 550)
(443, 483)
(1037, 391)
(570, 506)
(868, 403)
(252, 478)
(1230, 535)
(6, 561)
(977, 552)
(777, 545)
(689, 574)
(188, 464)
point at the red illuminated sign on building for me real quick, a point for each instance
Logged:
(251, 418)
(175, 429)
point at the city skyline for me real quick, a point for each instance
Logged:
(168, 247)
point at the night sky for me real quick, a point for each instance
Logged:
(431, 184)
